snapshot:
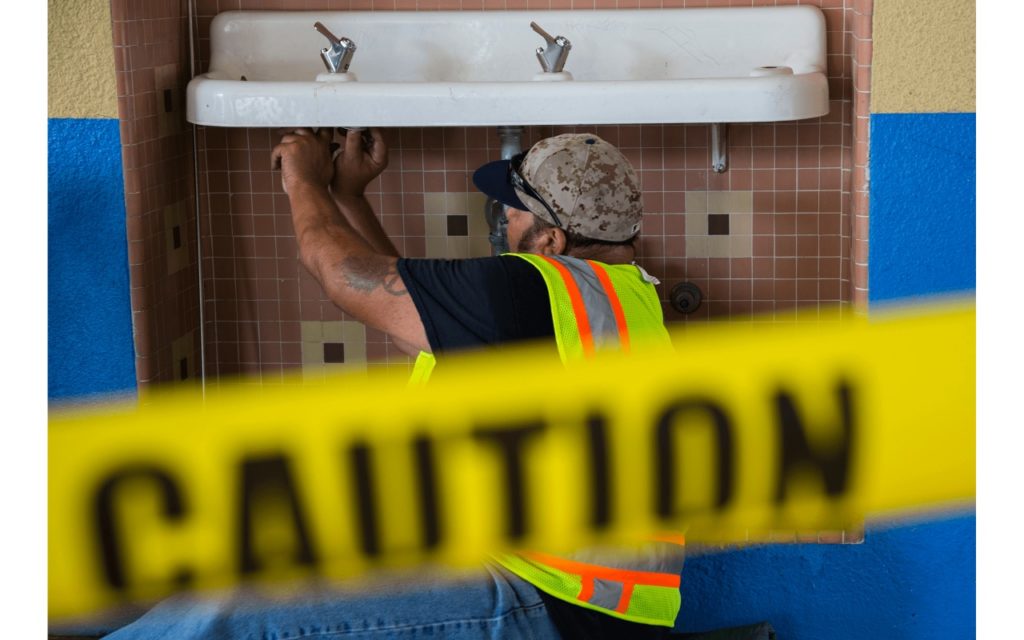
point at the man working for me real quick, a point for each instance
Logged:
(574, 197)
(574, 212)
(574, 215)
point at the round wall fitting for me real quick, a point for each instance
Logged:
(685, 297)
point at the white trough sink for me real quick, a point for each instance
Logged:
(477, 68)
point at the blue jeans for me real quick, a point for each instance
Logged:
(489, 603)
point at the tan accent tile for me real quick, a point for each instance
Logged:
(456, 203)
(478, 223)
(741, 202)
(437, 248)
(458, 247)
(741, 224)
(311, 331)
(166, 80)
(741, 246)
(696, 225)
(353, 332)
(312, 354)
(434, 203)
(479, 247)
(696, 202)
(720, 247)
(697, 246)
(718, 202)
(436, 225)
(183, 349)
(174, 216)
(332, 332)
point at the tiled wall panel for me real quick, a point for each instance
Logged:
(151, 55)
(772, 234)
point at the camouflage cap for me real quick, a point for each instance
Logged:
(590, 185)
(586, 181)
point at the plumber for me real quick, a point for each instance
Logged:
(574, 213)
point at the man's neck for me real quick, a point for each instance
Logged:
(609, 255)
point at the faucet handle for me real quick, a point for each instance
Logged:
(552, 58)
(338, 56)
(544, 34)
(319, 26)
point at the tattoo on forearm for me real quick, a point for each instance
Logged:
(367, 274)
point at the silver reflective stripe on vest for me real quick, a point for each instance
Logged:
(599, 310)
(607, 593)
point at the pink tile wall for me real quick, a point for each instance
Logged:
(859, 43)
(151, 62)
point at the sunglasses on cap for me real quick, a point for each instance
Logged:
(519, 182)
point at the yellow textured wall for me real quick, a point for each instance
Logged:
(923, 58)
(81, 60)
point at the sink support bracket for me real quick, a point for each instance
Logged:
(719, 147)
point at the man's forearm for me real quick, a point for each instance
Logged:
(359, 214)
(340, 258)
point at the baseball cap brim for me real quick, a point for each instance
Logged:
(492, 180)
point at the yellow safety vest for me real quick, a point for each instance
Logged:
(599, 306)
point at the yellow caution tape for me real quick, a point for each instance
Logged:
(797, 426)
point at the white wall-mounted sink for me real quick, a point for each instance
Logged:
(476, 68)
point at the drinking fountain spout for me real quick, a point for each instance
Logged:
(553, 56)
(338, 56)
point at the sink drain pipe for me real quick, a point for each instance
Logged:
(511, 143)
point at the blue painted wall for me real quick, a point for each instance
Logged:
(90, 349)
(903, 582)
(922, 236)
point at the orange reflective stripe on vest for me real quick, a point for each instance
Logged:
(616, 304)
(579, 308)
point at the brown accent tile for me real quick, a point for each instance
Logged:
(718, 224)
(334, 352)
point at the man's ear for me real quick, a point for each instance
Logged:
(550, 242)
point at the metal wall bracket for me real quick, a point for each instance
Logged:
(719, 147)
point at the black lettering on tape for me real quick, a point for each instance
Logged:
(266, 479)
(430, 508)
(362, 478)
(107, 535)
(795, 450)
(597, 438)
(665, 463)
(511, 439)
(364, 490)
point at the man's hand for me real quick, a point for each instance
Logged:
(356, 164)
(304, 158)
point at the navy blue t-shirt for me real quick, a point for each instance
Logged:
(478, 302)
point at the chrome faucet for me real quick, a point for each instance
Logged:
(338, 56)
(552, 58)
